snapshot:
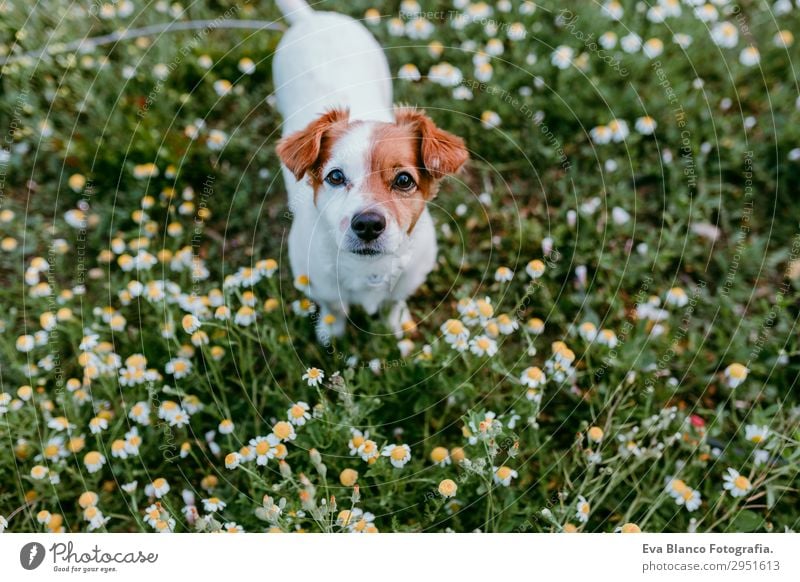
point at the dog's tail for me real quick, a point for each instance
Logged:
(294, 10)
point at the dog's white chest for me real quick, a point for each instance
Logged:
(372, 284)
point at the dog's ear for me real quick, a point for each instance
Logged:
(442, 152)
(300, 150)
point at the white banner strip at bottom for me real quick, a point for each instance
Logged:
(389, 557)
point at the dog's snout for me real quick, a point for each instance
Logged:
(368, 225)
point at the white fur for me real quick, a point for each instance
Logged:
(328, 60)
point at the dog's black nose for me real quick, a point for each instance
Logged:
(368, 225)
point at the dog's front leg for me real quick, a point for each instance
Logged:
(331, 322)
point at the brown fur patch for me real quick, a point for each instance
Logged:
(442, 152)
(303, 151)
(395, 149)
(415, 145)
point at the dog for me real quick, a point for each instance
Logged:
(359, 171)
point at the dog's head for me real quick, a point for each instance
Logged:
(371, 179)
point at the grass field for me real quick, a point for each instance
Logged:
(608, 343)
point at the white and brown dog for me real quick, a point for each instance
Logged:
(359, 171)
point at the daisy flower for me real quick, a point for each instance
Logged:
(675, 487)
(298, 413)
(631, 43)
(222, 87)
(348, 477)
(484, 308)
(608, 40)
(653, 47)
(454, 330)
(25, 343)
(233, 460)
(619, 130)
(783, 39)
(749, 56)
(645, 125)
(562, 57)
(677, 297)
(368, 451)
(601, 134)
(93, 461)
(706, 13)
(582, 509)
(756, 434)
(97, 425)
(737, 484)
(490, 119)
(265, 448)
(362, 522)
(535, 326)
(95, 518)
(588, 331)
(314, 376)
(682, 40)
(409, 72)
(213, 504)
(158, 488)
(445, 74)
(595, 434)
(503, 275)
(245, 316)
(142, 171)
(516, 31)
(484, 72)
(39, 472)
(503, 475)
(247, 66)
(613, 10)
(483, 345)
(216, 140)
(532, 377)
(284, 431)
(43, 517)
(419, 29)
(607, 338)
(689, 498)
(735, 374)
(372, 16)
(357, 438)
(448, 488)
(226, 426)
(440, 456)
(178, 367)
(398, 455)
(725, 35)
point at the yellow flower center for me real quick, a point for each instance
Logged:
(398, 453)
(282, 430)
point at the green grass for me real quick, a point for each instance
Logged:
(530, 182)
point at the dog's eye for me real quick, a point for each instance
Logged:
(335, 178)
(404, 181)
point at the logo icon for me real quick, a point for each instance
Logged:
(31, 555)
